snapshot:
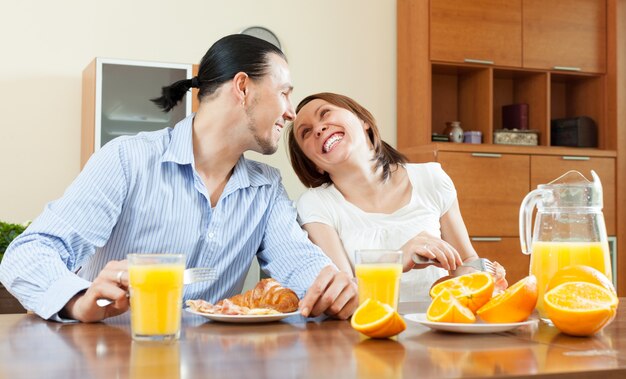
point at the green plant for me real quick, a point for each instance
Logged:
(8, 232)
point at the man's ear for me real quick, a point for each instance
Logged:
(241, 81)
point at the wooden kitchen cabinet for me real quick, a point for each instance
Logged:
(508, 252)
(565, 35)
(583, 38)
(478, 31)
(546, 168)
(437, 85)
(490, 188)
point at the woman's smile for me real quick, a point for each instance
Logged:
(331, 141)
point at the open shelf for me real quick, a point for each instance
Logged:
(475, 95)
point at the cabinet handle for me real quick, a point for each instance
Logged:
(574, 158)
(479, 61)
(486, 239)
(486, 155)
(566, 68)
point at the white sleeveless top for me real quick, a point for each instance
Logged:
(433, 194)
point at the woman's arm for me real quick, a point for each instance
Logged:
(328, 240)
(454, 232)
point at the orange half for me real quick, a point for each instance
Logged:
(472, 290)
(580, 273)
(377, 320)
(447, 308)
(515, 304)
(580, 308)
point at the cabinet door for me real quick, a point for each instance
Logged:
(507, 252)
(566, 34)
(544, 169)
(490, 189)
(484, 30)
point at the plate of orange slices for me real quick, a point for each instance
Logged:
(466, 304)
(478, 327)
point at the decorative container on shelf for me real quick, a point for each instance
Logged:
(472, 136)
(454, 131)
(516, 137)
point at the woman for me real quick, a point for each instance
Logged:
(363, 194)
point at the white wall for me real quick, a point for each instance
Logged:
(345, 46)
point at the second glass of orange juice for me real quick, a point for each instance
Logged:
(378, 275)
(156, 293)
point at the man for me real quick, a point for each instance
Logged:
(182, 190)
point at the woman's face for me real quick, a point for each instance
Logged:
(328, 134)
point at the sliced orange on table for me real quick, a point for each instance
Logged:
(377, 320)
(580, 273)
(472, 290)
(580, 308)
(515, 304)
(447, 308)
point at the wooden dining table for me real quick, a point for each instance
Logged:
(297, 347)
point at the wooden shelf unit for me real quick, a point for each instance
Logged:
(436, 84)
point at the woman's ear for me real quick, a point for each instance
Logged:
(365, 125)
(322, 172)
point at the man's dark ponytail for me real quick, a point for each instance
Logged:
(227, 57)
(172, 94)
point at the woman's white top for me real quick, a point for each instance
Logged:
(433, 195)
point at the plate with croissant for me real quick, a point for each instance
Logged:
(267, 301)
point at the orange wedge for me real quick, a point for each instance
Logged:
(377, 320)
(472, 290)
(580, 273)
(580, 308)
(515, 304)
(447, 308)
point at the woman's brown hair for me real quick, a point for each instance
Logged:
(385, 156)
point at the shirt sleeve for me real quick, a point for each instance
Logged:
(286, 253)
(39, 266)
(311, 208)
(444, 187)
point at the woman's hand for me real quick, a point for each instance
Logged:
(430, 247)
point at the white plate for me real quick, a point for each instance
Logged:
(243, 319)
(476, 328)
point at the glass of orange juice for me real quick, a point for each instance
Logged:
(548, 257)
(156, 294)
(378, 275)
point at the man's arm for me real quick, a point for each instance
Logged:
(39, 266)
(296, 262)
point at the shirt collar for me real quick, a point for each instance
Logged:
(180, 149)
(247, 174)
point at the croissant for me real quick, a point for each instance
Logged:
(268, 293)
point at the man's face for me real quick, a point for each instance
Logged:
(270, 107)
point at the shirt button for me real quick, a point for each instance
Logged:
(211, 235)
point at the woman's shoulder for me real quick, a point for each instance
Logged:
(324, 192)
(428, 168)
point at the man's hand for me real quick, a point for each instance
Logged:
(333, 292)
(111, 283)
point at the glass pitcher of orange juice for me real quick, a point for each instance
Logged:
(569, 228)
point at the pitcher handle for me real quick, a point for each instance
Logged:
(525, 218)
